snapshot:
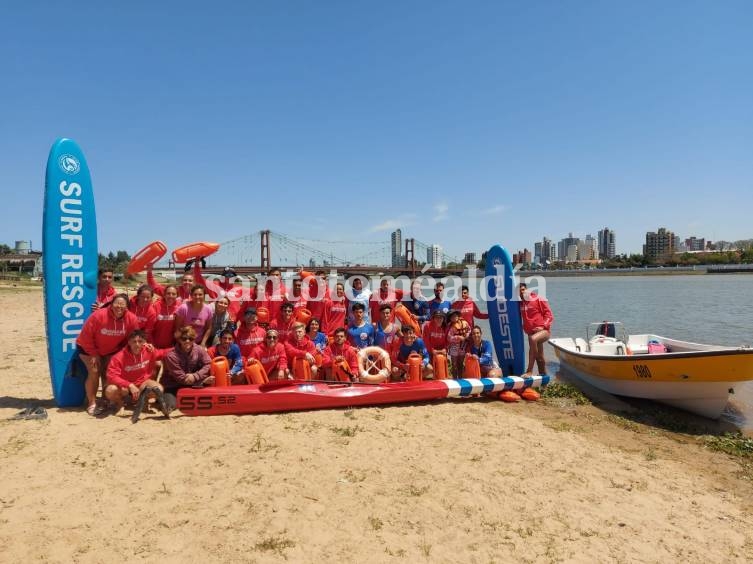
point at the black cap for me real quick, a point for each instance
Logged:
(249, 311)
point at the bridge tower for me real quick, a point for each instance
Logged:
(410, 256)
(266, 262)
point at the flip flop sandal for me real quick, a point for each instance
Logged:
(161, 402)
(139, 406)
(23, 414)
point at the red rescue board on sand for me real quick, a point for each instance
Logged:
(299, 395)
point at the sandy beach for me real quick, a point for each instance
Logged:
(457, 481)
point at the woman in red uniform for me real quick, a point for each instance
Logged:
(273, 357)
(537, 322)
(141, 306)
(104, 333)
(163, 334)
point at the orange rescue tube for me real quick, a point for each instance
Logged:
(219, 369)
(415, 361)
(302, 315)
(194, 250)
(255, 373)
(341, 371)
(439, 361)
(301, 369)
(146, 257)
(262, 315)
(406, 317)
(471, 368)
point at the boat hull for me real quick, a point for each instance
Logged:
(300, 395)
(699, 382)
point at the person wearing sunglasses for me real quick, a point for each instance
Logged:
(186, 365)
(272, 356)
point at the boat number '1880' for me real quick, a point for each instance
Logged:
(642, 371)
(189, 403)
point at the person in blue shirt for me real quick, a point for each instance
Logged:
(411, 343)
(359, 295)
(360, 333)
(386, 330)
(227, 348)
(482, 350)
(417, 305)
(438, 304)
(317, 337)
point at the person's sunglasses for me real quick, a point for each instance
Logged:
(271, 338)
(185, 339)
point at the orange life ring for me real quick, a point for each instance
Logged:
(194, 250)
(146, 257)
(219, 369)
(406, 317)
(374, 365)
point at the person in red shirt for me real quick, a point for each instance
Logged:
(338, 350)
(224, 287)
(249, 335)
(275, 294)
(104, 333)
(272, 357)
(141, 306)
(468, 308)
(105, 290)
(537, 323)
(284, 322)
(297, 299)
(184, 290)
(133, 371)
(387, 295)
(435, 333)
(318, 292)
(335, 311)
(299, 346)
(163, 333)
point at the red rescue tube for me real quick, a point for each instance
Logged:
(439, 360)
(415, 361)
(146, 257)
(471, 367)
(255, 373)
(219, 369)
(194, 250)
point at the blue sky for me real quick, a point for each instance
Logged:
(465, 123)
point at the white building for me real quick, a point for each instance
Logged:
(434, 256)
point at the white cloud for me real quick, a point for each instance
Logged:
(440, 211)
(495, 210)
(392, 224)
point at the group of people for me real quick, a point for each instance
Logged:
(125, 343)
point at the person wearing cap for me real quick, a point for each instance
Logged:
(468, 308)
(284, 322)
(249, 334)
(458, 332)
(435, 333)
(360, 332)
(411, 343)
(272, 356)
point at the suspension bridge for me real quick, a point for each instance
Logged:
(260, 251)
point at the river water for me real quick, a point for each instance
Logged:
(707, 308)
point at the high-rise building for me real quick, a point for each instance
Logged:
(695, 244)
(434, 256)
(563, 248)
(470, 258)
(607, 245)
(397, 248)
(660, 245)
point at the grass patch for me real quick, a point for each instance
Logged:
(559, 426)
(276, 544)
(376, 523)
(415, 491)
(650, 454)
(730, 443)
(563, 390)
(626, 424)
(346, 431)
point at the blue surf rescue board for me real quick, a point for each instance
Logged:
(504, 313)
(69, 261)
